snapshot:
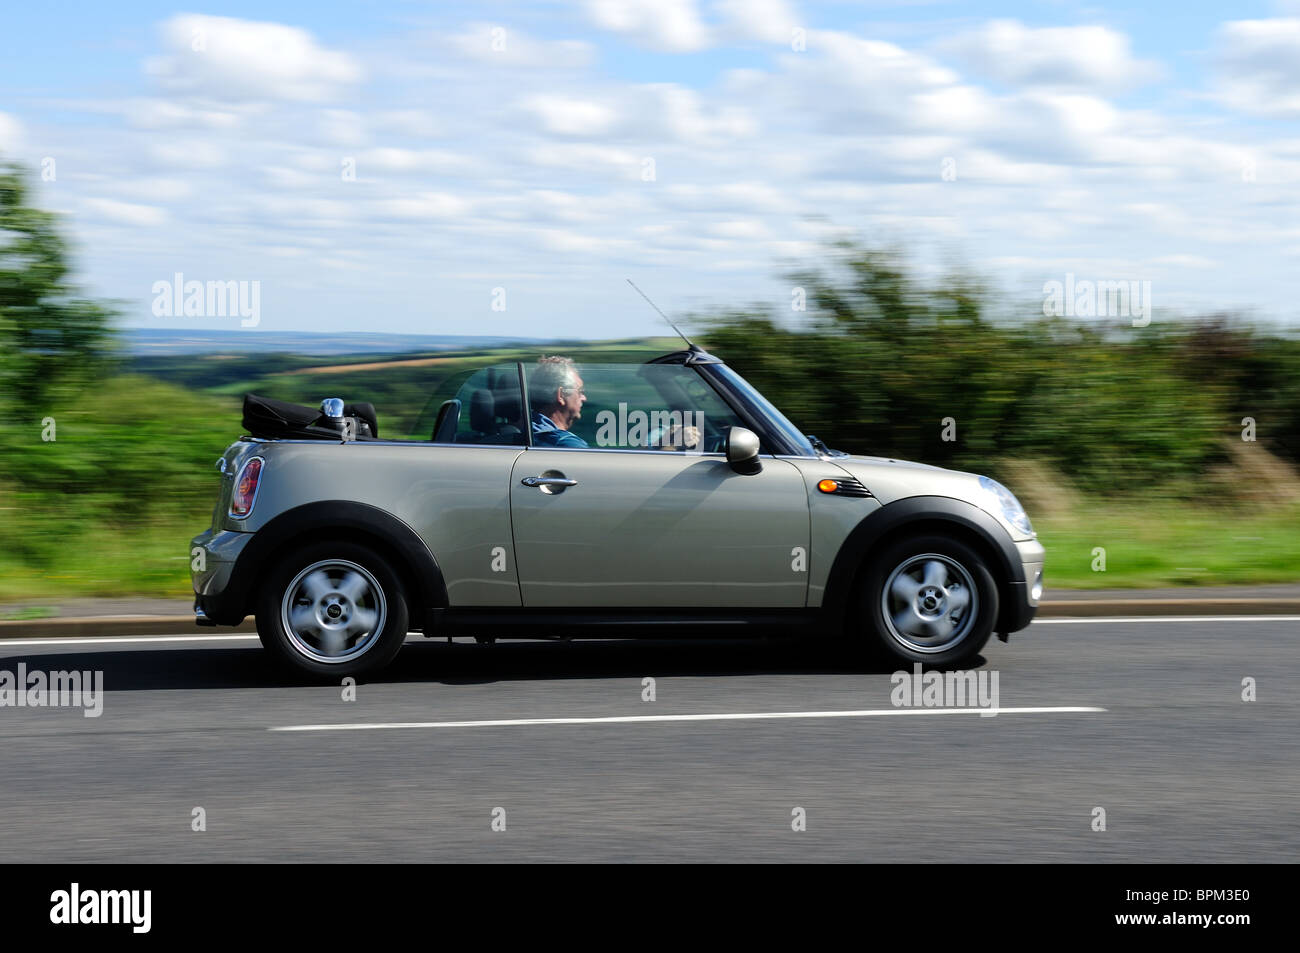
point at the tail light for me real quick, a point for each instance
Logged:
(245, 494)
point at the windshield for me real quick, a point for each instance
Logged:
(760, 406)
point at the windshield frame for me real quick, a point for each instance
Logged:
(777, 435)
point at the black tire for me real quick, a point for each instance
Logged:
(940, 634)
(350, 577)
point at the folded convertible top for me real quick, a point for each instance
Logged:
(270, 418)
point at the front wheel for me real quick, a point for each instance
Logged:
(333, 609)
(929, 599)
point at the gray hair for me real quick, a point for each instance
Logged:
(550, 375)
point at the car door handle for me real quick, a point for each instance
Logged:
(544, 481)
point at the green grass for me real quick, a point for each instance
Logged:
(27, 613)
(1172, 544)
(113, 562)
(1146, 546)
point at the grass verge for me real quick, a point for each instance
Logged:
(1171, 544)
(1174, 544)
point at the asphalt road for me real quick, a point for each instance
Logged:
(1185, 770)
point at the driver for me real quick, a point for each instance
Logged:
(556, 395)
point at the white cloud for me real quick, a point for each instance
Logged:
(571, 242)
(166, 114)
(570, 117)
(10, 133)
(730, 197)
(585, 158)
(1259, 67)
(767, 21)
(223, 58)
(741, 228)
(672, 26)
(388, 159)
(413, 123)
(680, 114)
(844, 80)
(546, 166)
(1075, 57)
(155, 189)
(315, 211)
(495, 45)
(654, 113)
(188, 154)
(1186, 261)
(128, 213)
(557, 206)
(340, 127)
(282, 177)
(425, 205)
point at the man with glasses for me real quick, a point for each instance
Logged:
(556, 395)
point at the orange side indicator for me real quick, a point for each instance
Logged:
(828, 486)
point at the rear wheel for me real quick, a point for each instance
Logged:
(333, 609)
(929, 599)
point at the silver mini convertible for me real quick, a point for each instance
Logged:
(553, 500)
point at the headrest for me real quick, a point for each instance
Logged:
(482, 411)
(366, 411)
(508, 404)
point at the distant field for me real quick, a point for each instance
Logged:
(374, 365)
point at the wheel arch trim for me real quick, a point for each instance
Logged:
(357, 521)
(939, 512)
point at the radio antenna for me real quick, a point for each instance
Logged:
(662, 315)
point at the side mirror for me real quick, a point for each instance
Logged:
(742, 451)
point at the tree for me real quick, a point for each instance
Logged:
(50, 338)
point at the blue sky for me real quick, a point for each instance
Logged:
(503, 152)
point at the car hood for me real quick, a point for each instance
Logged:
(891, 480)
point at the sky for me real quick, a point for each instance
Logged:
(502, 168)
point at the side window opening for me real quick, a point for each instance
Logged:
(638, 407)
(488, 409)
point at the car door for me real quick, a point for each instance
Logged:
(618, 523)
(454, 494)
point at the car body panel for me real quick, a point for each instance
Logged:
(658, 528)
(891, 480)
(831, 519)
(213, 556)
(455, 498)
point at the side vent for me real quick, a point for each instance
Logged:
(843, 486)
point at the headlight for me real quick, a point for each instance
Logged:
(1010, 507)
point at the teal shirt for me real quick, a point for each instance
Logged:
(546, 434)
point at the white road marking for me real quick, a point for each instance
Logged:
(1102, 620)
(121, 639)
(721, 716)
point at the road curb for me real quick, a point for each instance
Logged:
(73, 627)
(1102, 608)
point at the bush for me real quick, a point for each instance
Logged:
(881, 361)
